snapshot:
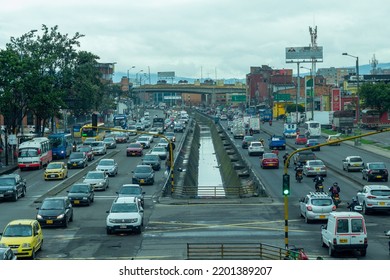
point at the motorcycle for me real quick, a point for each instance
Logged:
(270, 123)
(355, 206)
(319, 187)
(299, 176)
(336, 199)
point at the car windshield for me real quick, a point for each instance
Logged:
(54, 166)
(79, 189)
(123, 208)
(17, 231)
(7, 181)
(94, 175)
(271, 155)
(143, 139)
(130, 190)
(106, 163)
(108, 140)
(321, 202)
(256, 144)
(52, 204)
(159, 149)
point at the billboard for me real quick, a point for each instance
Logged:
(336, 99)
(166, 75)
(304, 54)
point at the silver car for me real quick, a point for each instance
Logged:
(314, 168)
(97, 179)
(99, 148)
(108, 165)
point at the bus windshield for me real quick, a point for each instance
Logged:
(28, 152)
(56, 141)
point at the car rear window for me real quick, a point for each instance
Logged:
(321, 202)
(378, 166)
(380, 192)
(356, 160)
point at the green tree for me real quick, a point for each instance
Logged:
(375, 96)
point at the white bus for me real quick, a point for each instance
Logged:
(312, 129)
(34, 153)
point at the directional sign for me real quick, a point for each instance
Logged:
(282, 96)
(238, 98)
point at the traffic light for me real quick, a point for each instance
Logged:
(286, 184)
(94, 122)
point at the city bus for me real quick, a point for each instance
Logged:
(88, 132)
(312, 129)
(35, 153)
(120, 120)
(61, 144)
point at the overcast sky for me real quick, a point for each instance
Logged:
(208, 38)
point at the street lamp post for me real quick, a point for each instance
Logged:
(311, 93)
(358, 115)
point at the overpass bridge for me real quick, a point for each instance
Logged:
(203, 89)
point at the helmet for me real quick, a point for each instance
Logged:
(335, 184)
(354, 199)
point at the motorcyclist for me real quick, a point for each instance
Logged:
(250, 131)
(352, 205)
(298, 170)
(334, 189)
(261, 141)
(318, 180)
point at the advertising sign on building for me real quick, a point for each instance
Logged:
(336, 99)
(301, 54)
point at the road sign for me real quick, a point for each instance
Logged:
(238, 98)
(282, 96)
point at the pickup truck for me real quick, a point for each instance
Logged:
(277, 143)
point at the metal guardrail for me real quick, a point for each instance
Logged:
(239, 251)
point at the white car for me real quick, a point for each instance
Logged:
(144, 141)
(316, 206)
(255, 148)
(126, 215)
(353, 163)
(160, 151)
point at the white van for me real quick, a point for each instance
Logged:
(345, 231)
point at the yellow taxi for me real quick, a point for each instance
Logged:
(24, 237)
(332, 138)
(55, 170)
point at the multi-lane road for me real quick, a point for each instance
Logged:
(170, 224)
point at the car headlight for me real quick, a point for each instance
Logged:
(99, 184)
(151, 176)
(60, 216)
(26, 245)
(110, 220)
(39, 216)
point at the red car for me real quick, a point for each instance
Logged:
(88, 150)
(269, 160)
(134, 149)
(301, 139)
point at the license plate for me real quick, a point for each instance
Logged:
(133, 154)
(76, 202)
(382, 203)
(343, 240)
(27, 165)
(123, 226)
(379, 176)
(322, 217)
(317, 169)
(142, 181)
(356, 164)
(74, 164)
(1, 195)
(52, 176)
(49, 222)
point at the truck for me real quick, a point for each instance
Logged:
(238, 130)
(325, 118)
(265, 114)
(343, 121)
(277, 143)
(290, 130)
(254, 123)
(159, 124)
(296, 117)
